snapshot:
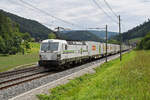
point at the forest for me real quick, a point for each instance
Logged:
(138, 31)
(79, 35)
(11, 39)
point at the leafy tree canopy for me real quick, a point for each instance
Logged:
(10, 37)
(52, 36)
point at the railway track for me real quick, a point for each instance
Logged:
(14, 72)
(16, 81)
(16, 77)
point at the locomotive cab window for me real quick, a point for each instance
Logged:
(51, 46)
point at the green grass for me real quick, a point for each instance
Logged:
(34, 48)
(136, 39)
(8, 62)
(115, 80)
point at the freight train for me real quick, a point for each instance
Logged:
(56, 53)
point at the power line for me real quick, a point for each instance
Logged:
(98, 5)
(18, 3)
(45, 12)
(67, 22)
(104, 11)
(107, 4)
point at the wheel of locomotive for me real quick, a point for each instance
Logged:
(67, 65)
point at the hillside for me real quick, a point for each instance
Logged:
(79, 35)
(100, 34)
(36, 29)
(138, 31)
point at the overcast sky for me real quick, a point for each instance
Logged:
(82, 13)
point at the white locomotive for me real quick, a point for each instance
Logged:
(56, 53)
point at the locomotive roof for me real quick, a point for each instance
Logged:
(54, 40)
(76, 42)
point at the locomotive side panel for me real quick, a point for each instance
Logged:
(94, 48)
(74, 51)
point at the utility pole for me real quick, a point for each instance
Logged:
(106, 41)
(57, 32)
(120, 38)
(58, 29)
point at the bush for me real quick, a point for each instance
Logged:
(145, 43)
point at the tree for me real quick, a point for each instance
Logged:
(32, 39)
(26, 36)
(25, 46)
(2, 45)
(10, 37)
(52, 36)
(17, 39)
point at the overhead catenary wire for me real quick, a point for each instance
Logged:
(107, 4)
(36, 9)
(98, 5)
(20, 3)
(48, 14)
(45, 12)
(67, 22)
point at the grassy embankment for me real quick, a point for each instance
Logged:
(128, 80)
(135, 40)
(8, 62)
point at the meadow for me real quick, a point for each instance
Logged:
(8, 62)
(115, 80)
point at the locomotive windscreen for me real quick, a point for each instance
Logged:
(50, 46)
